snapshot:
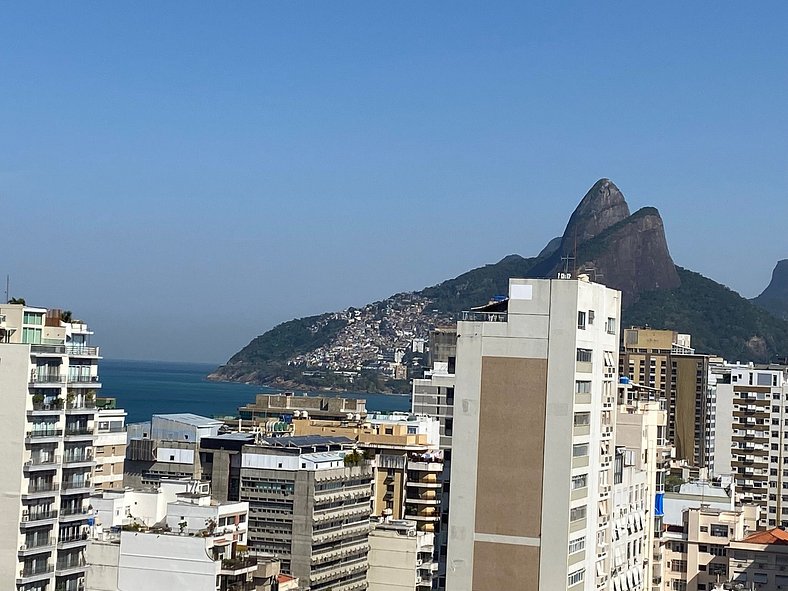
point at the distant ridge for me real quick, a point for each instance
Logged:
(602, 238)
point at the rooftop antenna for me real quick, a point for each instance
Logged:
(7, 288)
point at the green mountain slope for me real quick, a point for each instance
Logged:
(720, 321)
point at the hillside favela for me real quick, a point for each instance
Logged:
(206, 386)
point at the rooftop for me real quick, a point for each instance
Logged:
(305, 441)
(772, 536)
(190, 419)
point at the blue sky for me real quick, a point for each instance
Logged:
(187, 175)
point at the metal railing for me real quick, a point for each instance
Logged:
(42, 461)
(38, 515)
(78, 431)
(46, 378)
(56, 349)
(39, 487)
(45, 433)
(34, 570)
(473, 316)
(83, 379)
(81, 350)
(37, 543)
(76, 484)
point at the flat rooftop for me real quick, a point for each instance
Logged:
(190, 419)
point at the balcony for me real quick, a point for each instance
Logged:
(39, 378)
(238, 566)
(33, 573)
(83, 381)
(69, 567)
(82, 351)
(71, 585)
(40, 489)
(43, 435)
(425, 466)
(86, 457)
(76, 487)
(72, 541)
(37, 546)
(73, 513)
(77, 406)
(53, 408)
(35, 518)
(78, 432)
(474, 316)
(56, 350)
(42, 463)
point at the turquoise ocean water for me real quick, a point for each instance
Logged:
(144, 388)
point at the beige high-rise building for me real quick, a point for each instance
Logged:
(49, 380)
(665, 361)
(533, 472)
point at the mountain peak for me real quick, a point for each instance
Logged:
(602, 206)
(775, 297)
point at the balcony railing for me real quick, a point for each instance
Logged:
(82, 350)
(79, 537)
(39, 433)
(472, 316)
(42, 487)
(27, 516)
(46, 378)
(43, 461)
(74, 458)
(42, 542)
(83, 379)
(56, 405)
(76, 484)
(78, 431)
(53, 349)
(70, 586)
(238, 563)
(35, 570)
(73, 563)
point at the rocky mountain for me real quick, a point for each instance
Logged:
(367, 349)
(775, 297)
(628, 252)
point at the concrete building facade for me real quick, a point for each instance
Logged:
(49, 380)
(400, 557)
(535, 402)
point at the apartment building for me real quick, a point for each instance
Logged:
(695, 553)
(754, 444)
(535, 402)
(640, 467)
(405, 459)
(760, 561)
(49, 379)
(166, 447)
(274, 406)
(199, 545)
(109, 448)
(309, 501)
(665, 361)
(400, 556)
(434, 396)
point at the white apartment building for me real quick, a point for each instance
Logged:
(49, 380)
(532, 474)
(200, 545)
(400, 556)
(110, 448)
(752, 437)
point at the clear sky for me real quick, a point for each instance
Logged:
(185, 175)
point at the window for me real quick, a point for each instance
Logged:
(577, 545)
(579, 481)
(584, 355)
(582, 419)
(579, 450)
(590, 317)
(581, 320)
(576, 577)
(610, 327)
(577, 513)
(719, 530)
(33, 318)
(583, 387)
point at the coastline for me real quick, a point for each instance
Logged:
(282, 385)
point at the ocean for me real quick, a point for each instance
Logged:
(144, 388)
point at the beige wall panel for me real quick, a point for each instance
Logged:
(511, 446)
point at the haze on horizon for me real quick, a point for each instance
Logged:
(186, 176)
